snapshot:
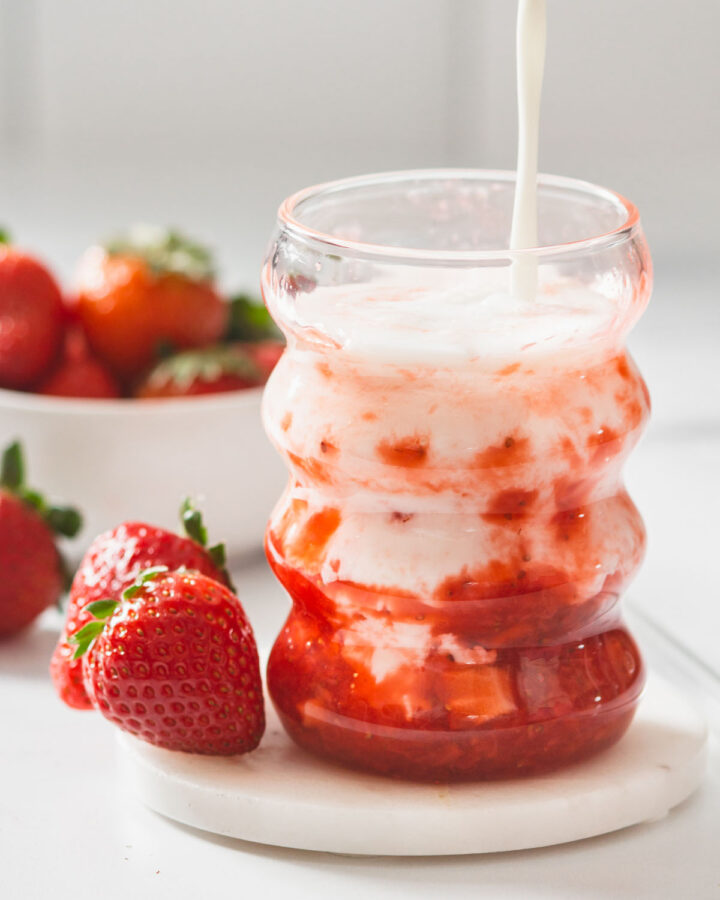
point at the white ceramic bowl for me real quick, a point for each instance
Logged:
(129, 459)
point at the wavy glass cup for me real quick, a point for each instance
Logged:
(455, 535)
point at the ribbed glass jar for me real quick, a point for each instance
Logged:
(455, 536)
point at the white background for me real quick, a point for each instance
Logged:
(207, 113)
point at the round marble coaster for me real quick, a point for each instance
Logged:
(280, 795)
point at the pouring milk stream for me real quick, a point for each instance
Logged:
(531, 32)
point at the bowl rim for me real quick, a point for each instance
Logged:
(147, 408)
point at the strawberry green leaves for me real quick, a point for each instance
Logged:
(101, 611)
(85, 637)
(165, 251)
(218, 555)
(64, 520)
(193, 523)
(195, 529)
(207, 364)
(142, 579)
(12, 469)
(249, 320)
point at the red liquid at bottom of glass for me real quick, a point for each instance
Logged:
(436, 756)
(531, 710)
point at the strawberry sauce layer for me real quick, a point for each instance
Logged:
(455, 540)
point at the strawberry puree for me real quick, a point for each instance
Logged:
(456, 591)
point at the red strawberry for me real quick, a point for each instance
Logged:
(209, 371)
(32, 573)
(265, 355)
(111, 564)
(31, 318)
(148, 288)
(174, 662)
(80, 373)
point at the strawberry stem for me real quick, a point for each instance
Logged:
(218, 555)
(195, 529)
(193, 523)
(4, 236)
(12, 469)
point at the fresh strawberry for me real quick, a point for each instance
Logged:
(265, 355)
(111, 564)
(31, 318)
(144, 291)
(210, 371)
(32, 572)
(80, 373)
(174, 662)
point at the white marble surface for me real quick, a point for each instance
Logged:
(282, 796)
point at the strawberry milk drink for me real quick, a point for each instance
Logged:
(455, 407)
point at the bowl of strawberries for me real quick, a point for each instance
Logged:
(142, 385)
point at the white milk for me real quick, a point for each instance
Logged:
(531, 31)
(454, 321)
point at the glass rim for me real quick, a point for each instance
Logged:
(288, 219)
